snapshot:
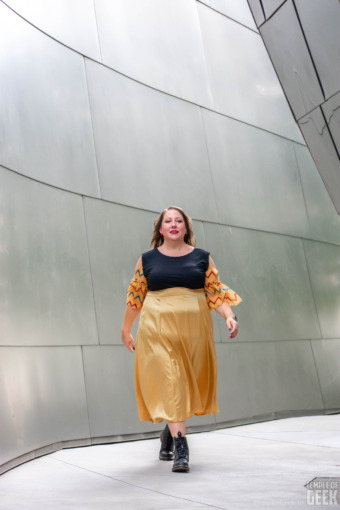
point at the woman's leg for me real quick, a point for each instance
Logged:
(176, 427)
(181, 454)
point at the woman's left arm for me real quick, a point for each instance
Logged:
(225, 311)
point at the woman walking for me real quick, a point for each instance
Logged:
(174, 287)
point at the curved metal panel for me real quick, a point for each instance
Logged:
(270, 6)
(256, 180)
(323, 219)
(271, 377)
(269, 271)
(324, 270)
(70, 22)
(45, 123)
(147, 140)
(319, 140)
(327, 359)
(111, 390)
(158, 43)
(331, 110)
(239, 11)
(112, 260)
(244, 82)
(43, 393)
(257, 10)
(288, 50)
(46, 296)
(320, 23)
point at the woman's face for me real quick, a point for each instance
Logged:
(173, 226)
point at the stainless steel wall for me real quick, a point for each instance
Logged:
(302, 38)
(104, 121)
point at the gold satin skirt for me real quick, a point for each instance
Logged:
(175, 364)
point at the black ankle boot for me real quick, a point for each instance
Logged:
(167, 447)
(181, 462)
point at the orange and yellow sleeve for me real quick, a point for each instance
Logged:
(137, 290)
(217, 292)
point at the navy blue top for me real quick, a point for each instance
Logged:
(164, 272)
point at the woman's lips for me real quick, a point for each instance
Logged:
(173, 231)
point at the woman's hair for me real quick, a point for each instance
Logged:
(158, 240)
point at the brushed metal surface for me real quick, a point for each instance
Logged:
(42, 398)
(270, 6)
(256, 9)
(72, 22)
(201, 242)
(264, 377)
(243, 80)
(323, 219)
(269, 272)
(257, 186)
(327, 359)
(111, 396)
(331, 110)
(117, 237)
(239, 11)
(324, 269)
(320, 143)
(151, 149)
(45, 124)
(287, 47)
(158, 43)
(46, 291)
(320, 22)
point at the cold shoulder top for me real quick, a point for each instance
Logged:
(192, 271)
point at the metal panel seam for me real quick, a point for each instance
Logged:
(98, 35)
(311, 286)
(301, 184)
(307, 46)
(228, 17)
(85, 385)
(90, 267)
(317, 374)
(274, 12)
(93, 135)
(206, 59)
(210, 169)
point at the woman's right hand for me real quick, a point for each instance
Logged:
(128, 341)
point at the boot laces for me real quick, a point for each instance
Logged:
(181, 446)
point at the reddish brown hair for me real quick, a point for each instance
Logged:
(158, 240)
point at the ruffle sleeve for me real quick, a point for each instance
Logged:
(217, 292)
(137, 290)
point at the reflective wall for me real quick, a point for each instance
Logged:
(104, 121)
(302, 39)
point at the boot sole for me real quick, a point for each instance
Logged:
(166, 458)
(181, 469)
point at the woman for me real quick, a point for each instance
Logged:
(175, 286)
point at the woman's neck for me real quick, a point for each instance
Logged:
(176, 247)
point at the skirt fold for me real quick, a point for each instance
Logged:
(176, 365)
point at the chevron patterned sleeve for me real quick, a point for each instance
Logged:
(137, 290)
(216, 292)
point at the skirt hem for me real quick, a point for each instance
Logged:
(159, 420)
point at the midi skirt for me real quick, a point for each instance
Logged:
(175, 364)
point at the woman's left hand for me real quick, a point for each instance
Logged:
(232, 326)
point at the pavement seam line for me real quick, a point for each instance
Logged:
(280, 441)
(139, 486)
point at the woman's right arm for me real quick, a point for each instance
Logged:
(130, 316)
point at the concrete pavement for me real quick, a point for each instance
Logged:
(263, 465)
